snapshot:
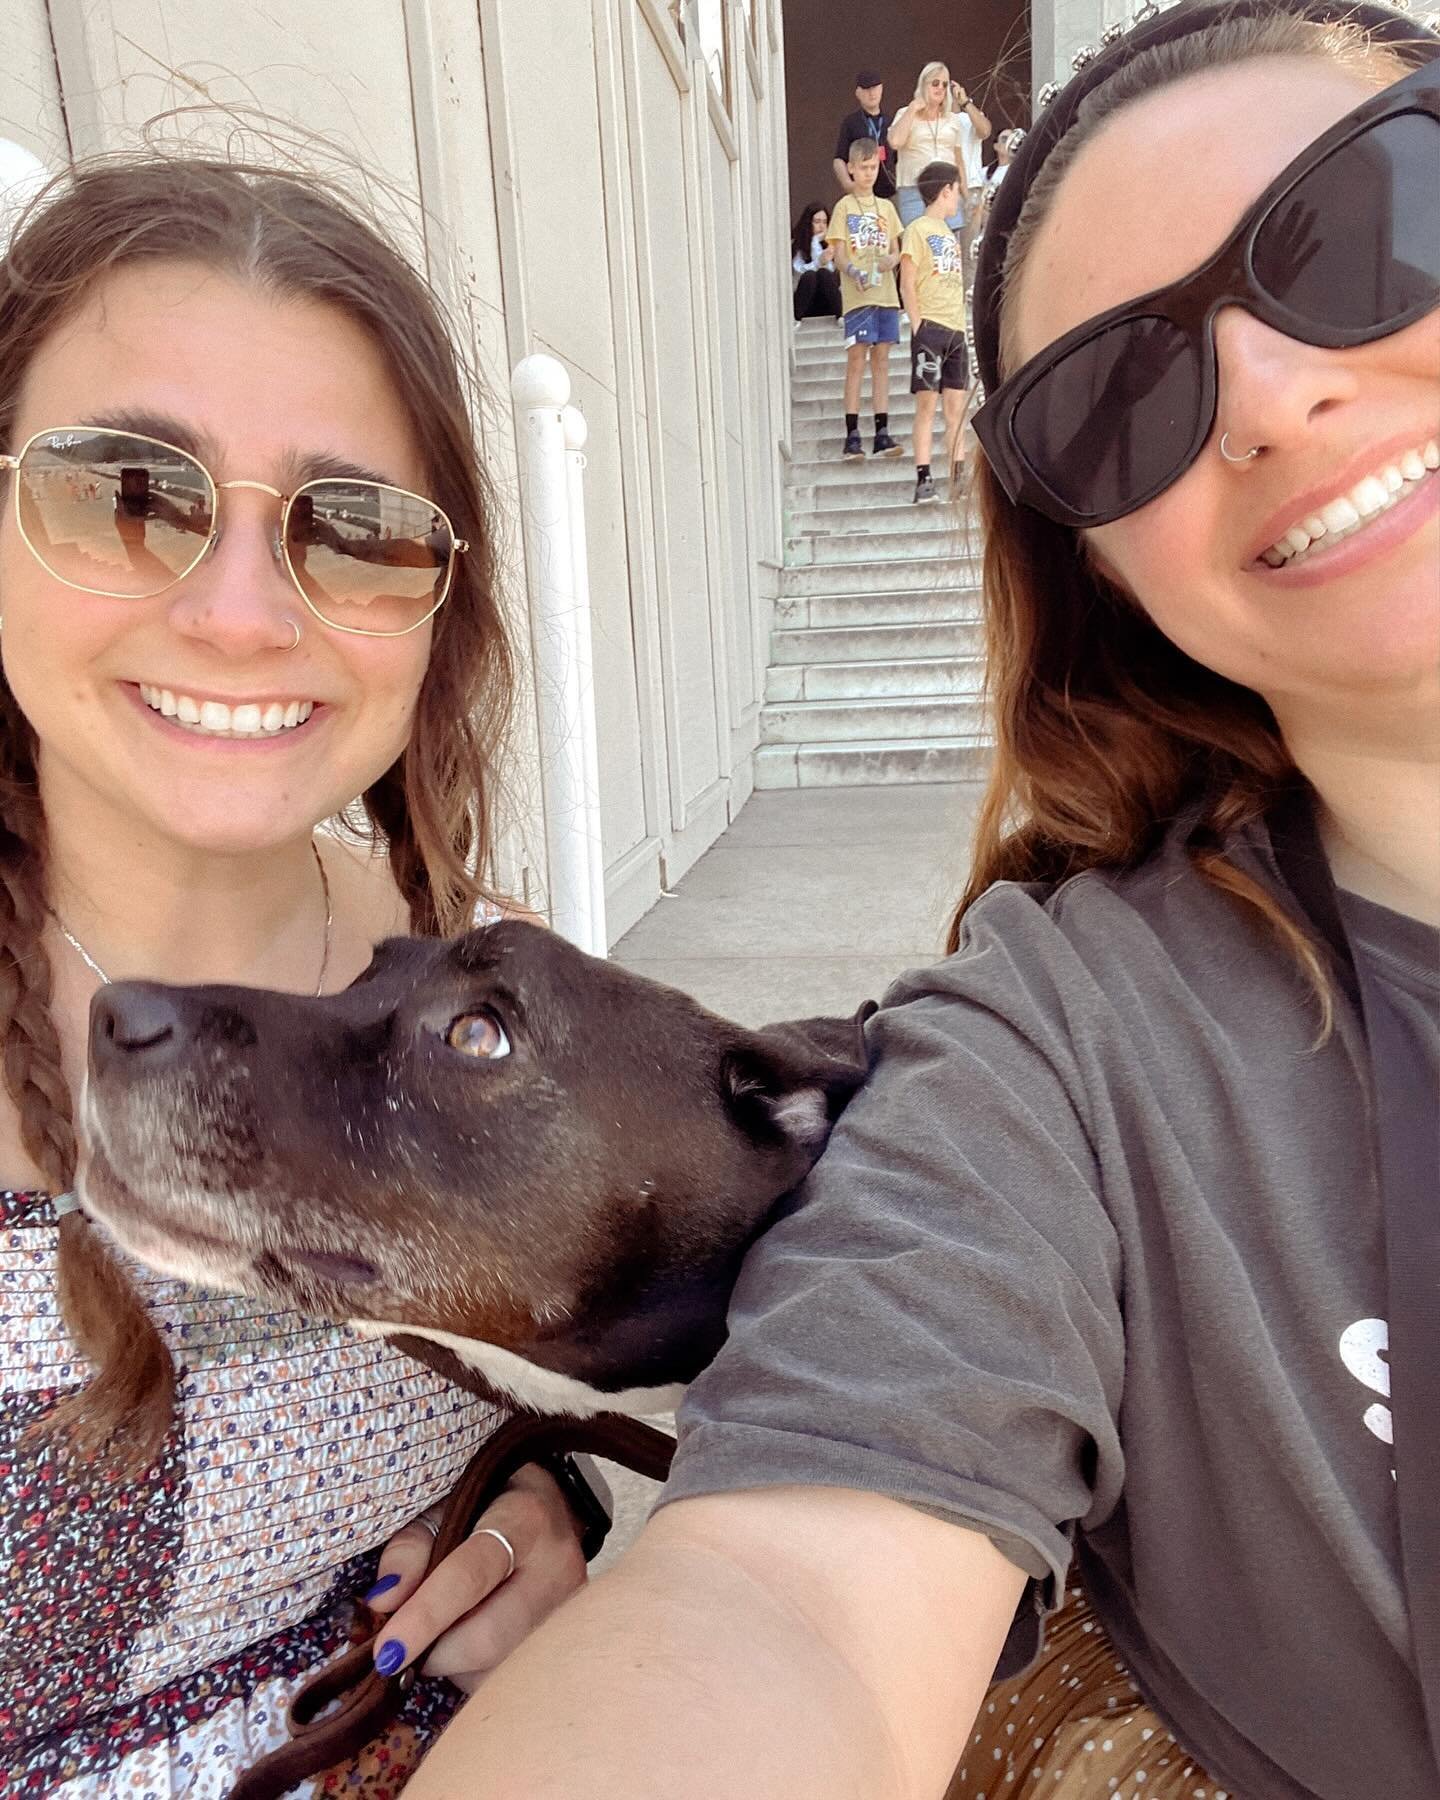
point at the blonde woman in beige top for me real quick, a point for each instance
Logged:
(941, 124)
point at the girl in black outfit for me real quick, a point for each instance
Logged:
(817, 286)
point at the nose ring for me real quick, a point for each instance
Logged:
(1252, 452)
(294, 626)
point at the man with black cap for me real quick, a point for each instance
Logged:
(866, 121)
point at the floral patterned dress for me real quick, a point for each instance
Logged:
(151, 1635)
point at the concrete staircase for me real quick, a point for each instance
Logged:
(876, 656)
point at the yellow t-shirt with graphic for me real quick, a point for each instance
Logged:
(939, 277)
(863, 232)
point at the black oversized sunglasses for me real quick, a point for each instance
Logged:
(1342, 248)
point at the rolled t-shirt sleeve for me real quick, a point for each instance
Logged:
(936, 1315)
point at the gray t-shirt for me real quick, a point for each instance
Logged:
(1096, 1262)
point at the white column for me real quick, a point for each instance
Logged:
(553, 524)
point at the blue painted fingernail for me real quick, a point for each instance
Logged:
(382, 1586)
(390, 1657)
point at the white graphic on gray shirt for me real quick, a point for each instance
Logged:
(1364, 1350)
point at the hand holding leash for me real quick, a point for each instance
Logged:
(520, 1561)
(365, 1701)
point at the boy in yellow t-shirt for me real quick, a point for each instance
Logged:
(866, 234)
(932, 285)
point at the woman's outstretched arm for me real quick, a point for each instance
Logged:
(785, 1644)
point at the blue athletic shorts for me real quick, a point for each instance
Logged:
(872, 325)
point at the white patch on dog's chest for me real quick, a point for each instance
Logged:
(542, 1390)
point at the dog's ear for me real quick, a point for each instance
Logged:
(790, 1082)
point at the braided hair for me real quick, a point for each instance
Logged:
(431, 812)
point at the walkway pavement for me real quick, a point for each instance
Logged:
(812, 901)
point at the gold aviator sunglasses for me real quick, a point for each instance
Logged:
(126, 517)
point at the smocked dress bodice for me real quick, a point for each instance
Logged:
(151, 1635)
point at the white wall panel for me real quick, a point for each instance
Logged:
(667, 219)
(622, 796)
(735, 296)
(337, 72)
(29, 87)
(560, 196)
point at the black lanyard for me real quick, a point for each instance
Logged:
(1405, 1117)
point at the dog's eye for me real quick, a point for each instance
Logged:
(478, 1034)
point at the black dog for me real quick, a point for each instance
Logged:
(535, 1169)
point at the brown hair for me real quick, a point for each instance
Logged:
(934, 178)
(1105, 730)
(432, 811)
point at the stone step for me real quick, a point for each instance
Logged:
(828, 379)
(925, 577)
(892, 641)
(827, 611)
(922, 541)
(829, 409)
(823, 489)
(823, 446)
(873, 763)
(849, 721)
(817, 381)
(825, 415)
(824, 440)
(895, 514)
(810, 481)
(812, 374)
(929, 677)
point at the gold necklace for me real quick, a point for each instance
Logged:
(95, 969)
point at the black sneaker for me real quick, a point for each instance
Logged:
(924, 490)
(885, 445)
(853, 446)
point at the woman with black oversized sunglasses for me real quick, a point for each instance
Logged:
(1124, 1266)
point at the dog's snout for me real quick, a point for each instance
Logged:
(130, 1019)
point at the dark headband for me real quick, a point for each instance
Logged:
(1057, 114)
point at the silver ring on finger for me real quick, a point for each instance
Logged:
(427, 1522)
(501, 1539)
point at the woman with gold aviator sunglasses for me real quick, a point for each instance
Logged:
(232, 612)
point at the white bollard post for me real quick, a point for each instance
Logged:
(553, 525)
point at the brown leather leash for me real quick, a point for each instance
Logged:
(368, 1701)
